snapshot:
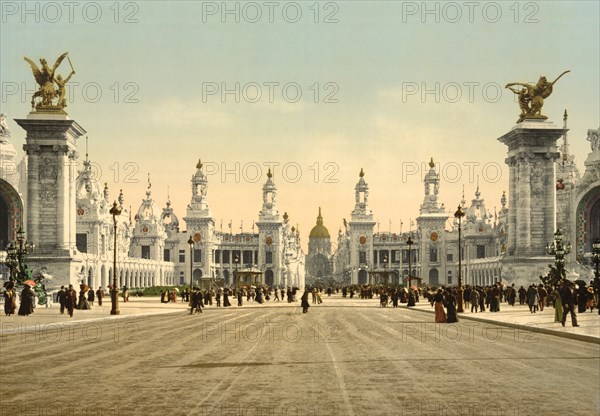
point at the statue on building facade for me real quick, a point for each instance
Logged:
(531, 96)
(4, 130)
(52, 89)
(593, 136)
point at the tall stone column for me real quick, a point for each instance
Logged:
(532, 151)
(51, 154)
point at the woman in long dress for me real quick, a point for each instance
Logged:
(83, 302)
(438, 301)
(26, 307)
(558, 306)
(451, 307)
(304, 302)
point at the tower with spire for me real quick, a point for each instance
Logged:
(431, 230)
(200, 226)
(270, 235)
(360, 230)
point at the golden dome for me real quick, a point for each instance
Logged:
(319, 230)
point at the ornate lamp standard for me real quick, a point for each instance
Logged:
(559, 251)
(15, 256)
(191, 244)
(596, 261)
(385, 274)
(459, 299)
(411, 297)
(115, 211)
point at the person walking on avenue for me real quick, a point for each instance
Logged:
(10, 304)
(240, 296)
(26, 306)
(226, 302)
(83, 302)
(100, 295)
(568, 303)
(90, 296)
(125, 294)
(438, 301)
(522, 295)
(542, 294)
(451, 307)
(304, 302)
(70, 300)
(474, 300)
(62, 299)
(558, 306)
(532, 299)
(218, 297)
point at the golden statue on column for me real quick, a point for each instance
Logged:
(531, 97)
(51, 95)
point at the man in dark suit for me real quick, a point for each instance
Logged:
(568, 303)
(61, 296)
(100, 295)
(70, 300)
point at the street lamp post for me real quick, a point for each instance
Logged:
(385, 274)
(191, 244)
(559, 250)
(459, 299)
(411, 299)
(15, 256)
(115, 211)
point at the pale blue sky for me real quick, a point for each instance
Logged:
(370, 55)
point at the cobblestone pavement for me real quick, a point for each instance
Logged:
(345, 357)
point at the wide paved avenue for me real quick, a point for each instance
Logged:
(345, 357)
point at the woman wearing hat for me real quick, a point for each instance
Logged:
(9, 299)
(26, 307)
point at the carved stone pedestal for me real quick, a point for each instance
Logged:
(51, 172)
(532, 151)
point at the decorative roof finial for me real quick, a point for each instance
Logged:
(269, 174)
(431, 164)
(199, 164)
(362, 173)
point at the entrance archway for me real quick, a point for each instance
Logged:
(11, 213)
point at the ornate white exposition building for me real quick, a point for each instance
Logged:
(546, 190)
(68, 218)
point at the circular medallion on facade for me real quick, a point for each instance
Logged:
(434, 236)
(226, 238)
(362, 240)
(383, 238)
(269, 240)
(248, 239)
(395, 237)
(237, 238)
(80, 211)
(480, 229)
(144, 229)
(197, 237)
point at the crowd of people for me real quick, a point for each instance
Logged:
(567, 298)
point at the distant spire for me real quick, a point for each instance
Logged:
(477, 193)
(149, 184)
(463, 202)
(565, 149)
(168, 197)
(362, 173)
(431, 164)
(319, 218)
(86, 148)
(199, 164)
